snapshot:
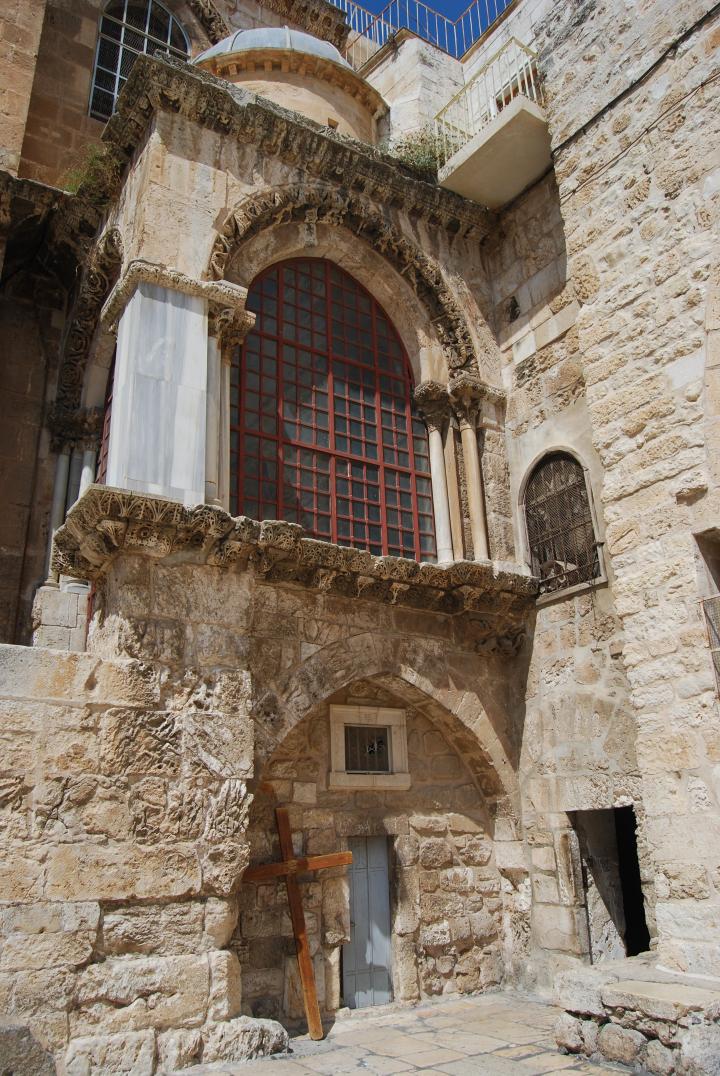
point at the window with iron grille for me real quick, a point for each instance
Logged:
(323, 431)
(127, 29)
(367, 749)
(711, 607)
(561, 535)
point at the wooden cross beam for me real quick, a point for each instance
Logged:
(289, 868)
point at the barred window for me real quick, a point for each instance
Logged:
(127, 29)
(561, 536)
(323, 427)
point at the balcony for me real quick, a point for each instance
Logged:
(492, 136)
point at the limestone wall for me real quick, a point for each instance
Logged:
(20, 28)
(638, 197)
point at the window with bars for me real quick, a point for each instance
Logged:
(127, 29)
(323, 431)
(367, 749)
(561, 535)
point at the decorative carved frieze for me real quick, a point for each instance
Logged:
(316, 16)
(226, 301)
(106, 521)
(210, 19)
(367, 219)
(467, 392)
(104, 264)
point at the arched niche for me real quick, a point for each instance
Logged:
(448, 917)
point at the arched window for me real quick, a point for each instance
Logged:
(322, 426)
(127, 28)
(561, 536)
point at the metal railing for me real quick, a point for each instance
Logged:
(369, 32)
(512, 72)
(711, 608)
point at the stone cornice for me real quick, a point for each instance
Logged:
(163, 84)
(105, 522)
(226, 301)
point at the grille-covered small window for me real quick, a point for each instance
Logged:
(127, 29)
(561, 536)
(366, 749)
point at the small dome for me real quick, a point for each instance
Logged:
(272, 37)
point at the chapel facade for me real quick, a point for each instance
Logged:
(361, 403)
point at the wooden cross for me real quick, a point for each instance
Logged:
(289, 868)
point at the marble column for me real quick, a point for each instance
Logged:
(467, 395)
(157, 434)
(434, 406)
(57, 509)
(89, 467)
(213, 422)
(224, 462)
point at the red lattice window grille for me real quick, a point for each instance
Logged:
(102, 460)
(322, 426)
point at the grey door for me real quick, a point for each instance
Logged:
(366, 957)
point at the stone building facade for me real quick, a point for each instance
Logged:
(176, 665)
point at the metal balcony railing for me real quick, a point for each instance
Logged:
(369, 32)
(512, 72)
(711, 608)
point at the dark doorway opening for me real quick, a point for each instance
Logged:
(613, 889)
(637, 935)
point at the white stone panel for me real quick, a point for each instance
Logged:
(157, 434)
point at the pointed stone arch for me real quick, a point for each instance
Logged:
(316, 204)
(416, 671)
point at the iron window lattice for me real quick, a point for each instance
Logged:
(367, 749)
(322, 426)
(127, 29)
(711, 608)
(561, 534)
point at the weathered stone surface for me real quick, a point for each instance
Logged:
(699, 1053)
(243, 1039)
(21, 1053)
(133, 1053)
(620, 1044)
(568, 1034)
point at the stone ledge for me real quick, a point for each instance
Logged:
(107, 521)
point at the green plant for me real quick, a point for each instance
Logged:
(94, 175)
(419, 151)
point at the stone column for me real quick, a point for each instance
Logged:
(213, 422)
(224, 465)
(158, 434)
(229, 325)
(466, 395)
(434, 405)
(89, 467)
(57, 510)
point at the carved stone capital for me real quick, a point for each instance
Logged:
(467, 392)
(79, 429)
(433, 403)
(218, 293)
(230, 324)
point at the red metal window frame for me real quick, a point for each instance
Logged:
(323, 431)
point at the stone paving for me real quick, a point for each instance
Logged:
(500, 1034)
